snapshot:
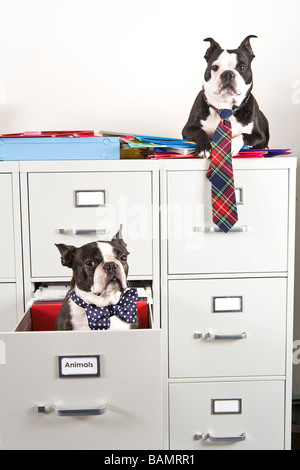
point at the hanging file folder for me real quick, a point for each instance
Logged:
(59, 148)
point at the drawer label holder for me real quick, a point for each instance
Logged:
(227, 304)
(90, 198)
(79, 366)
(226, 406)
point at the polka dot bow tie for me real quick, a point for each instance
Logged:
(220, 172)
(99, 317)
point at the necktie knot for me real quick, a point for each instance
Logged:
(224, 113)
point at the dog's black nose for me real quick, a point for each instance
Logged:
(227, 76)
(111, 267)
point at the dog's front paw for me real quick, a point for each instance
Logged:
(204, 154)
(203, 149)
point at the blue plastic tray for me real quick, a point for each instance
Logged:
(60, 148)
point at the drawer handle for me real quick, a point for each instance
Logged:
(240, 438)
(225, 337)
(243, 228)
(212, 337)
(72, 231)
(198, 335)
(201, 436)
(82, 412)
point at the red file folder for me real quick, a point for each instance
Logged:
(51, 134)
(44, 315)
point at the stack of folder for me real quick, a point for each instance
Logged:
(150, 147)
(144, 146)
(159, 147)
(50, 134)
(247, 152)
(102, 145)
(58, 145)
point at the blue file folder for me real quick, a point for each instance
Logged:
(60, 148)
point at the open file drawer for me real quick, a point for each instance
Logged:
(80, 390)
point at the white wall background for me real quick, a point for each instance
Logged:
(137, 65)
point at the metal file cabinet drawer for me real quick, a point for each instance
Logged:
(227, 327)
(7, 248)
(77, 208)
(120, 409)
(227, 415)
(258, 242)
(8, 307)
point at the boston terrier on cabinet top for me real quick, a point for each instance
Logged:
(99, 297)
(227, 85)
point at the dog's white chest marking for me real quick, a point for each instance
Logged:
(117, 324)
(79, 318)
(211, 123)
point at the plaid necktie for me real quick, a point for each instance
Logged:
(220, 174)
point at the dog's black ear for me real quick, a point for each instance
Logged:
(119, 239)
(212, 48)
(67, 254)
(245, 44)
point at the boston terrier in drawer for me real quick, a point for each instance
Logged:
(99, 298)
(227, 85)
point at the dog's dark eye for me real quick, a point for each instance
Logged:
(90, 263)
(215, 68)
(123, 258)
(241, 67)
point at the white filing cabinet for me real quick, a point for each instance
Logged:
(121, 407)
(11, 291)
(227, 307)
(214, 372)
